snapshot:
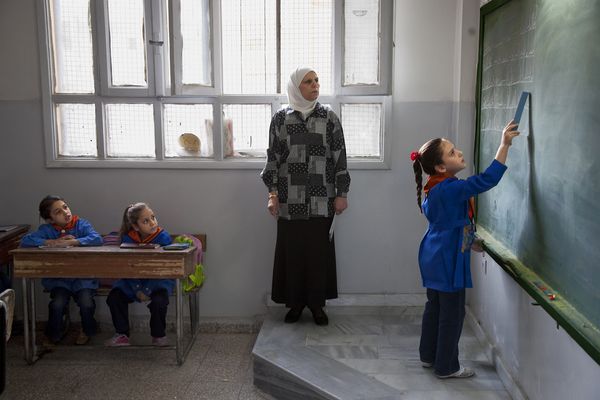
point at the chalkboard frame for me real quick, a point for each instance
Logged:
(576, 325)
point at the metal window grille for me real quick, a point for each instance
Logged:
(127, 43)
(307, 39)
(361, 42)
(72, 46)
(246, 129)
(130, 130)
(188, 118)
(76, 128)
(362, 129)
(195, 66)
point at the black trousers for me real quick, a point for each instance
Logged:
(440, 332)
(304, 270)
(118, 303)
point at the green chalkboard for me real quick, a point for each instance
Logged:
(543, 219)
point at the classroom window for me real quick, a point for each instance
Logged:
(194, 83)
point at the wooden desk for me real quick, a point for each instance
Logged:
(104, 262)
(10, 240)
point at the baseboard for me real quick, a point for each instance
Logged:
(369, 300)
(511, 385)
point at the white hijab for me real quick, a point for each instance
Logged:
(295, 98)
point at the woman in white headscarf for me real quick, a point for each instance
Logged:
(308, 181)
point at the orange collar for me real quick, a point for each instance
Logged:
(435, 179)
(133, 234)
(67, 227)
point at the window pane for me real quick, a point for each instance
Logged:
(195, 36)
(188, 118)
(306, 39)
(127, 39)
(361, 42)
(72, 46)
(76, 129)
(362, 129)
(246, 130)
(130, 130)
(249, 46)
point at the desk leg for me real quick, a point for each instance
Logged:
(29, 320)
(179, 322)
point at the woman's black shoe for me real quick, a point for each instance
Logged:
(293, 315)
(319, 316)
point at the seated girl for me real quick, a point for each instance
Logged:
(140, 226)
(63, 229)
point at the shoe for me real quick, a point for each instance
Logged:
(426, 364)
(160, 341)
(82, 338)
(293, 315)
(319, 316)
(463, 372)
(118, 340)
(49, 343)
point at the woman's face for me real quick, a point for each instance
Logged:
(309, 87)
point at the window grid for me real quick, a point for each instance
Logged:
(76, 130)
(195, 52)
(188, 118)
(249, 46)
(361, 42)
(362, 127)
(72, 46)
(127, 43)
(246, 127)
(130, 130)
(307, 40)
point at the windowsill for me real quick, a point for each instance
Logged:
(230, 163)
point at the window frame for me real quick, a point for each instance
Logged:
(159, 87)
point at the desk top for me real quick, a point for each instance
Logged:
(102, 262)
(16, 230)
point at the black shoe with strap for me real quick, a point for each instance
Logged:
(293, 315)
(319, 316)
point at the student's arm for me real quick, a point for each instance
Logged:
(508, 134)
(37, 238)
(163, 238)
(87, 235)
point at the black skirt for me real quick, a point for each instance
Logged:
(304, 271)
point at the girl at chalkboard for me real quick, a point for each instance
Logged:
(140, 226)
(63, 229)
(444, 254)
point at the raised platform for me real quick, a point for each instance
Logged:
(364, 353)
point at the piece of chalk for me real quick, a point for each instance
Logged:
(521, 107)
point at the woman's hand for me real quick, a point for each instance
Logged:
(273, 205)
(340, 204)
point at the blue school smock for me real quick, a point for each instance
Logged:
(131, 286)
(443, 260)
(84, 233)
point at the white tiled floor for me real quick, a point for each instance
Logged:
(380, 343)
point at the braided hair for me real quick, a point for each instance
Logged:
(428, 156)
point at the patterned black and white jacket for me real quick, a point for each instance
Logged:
(306, 162)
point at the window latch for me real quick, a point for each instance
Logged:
(156, 42)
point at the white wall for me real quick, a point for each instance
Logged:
(545, 362)
(377, 238)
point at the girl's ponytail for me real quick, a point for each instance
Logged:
(425, 160)
(418, 177)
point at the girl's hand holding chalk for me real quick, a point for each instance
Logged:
(509, 132)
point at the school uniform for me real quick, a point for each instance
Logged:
(62, 289)
(444, 262)
(158, 290)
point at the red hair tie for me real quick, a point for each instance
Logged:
(415, 155)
